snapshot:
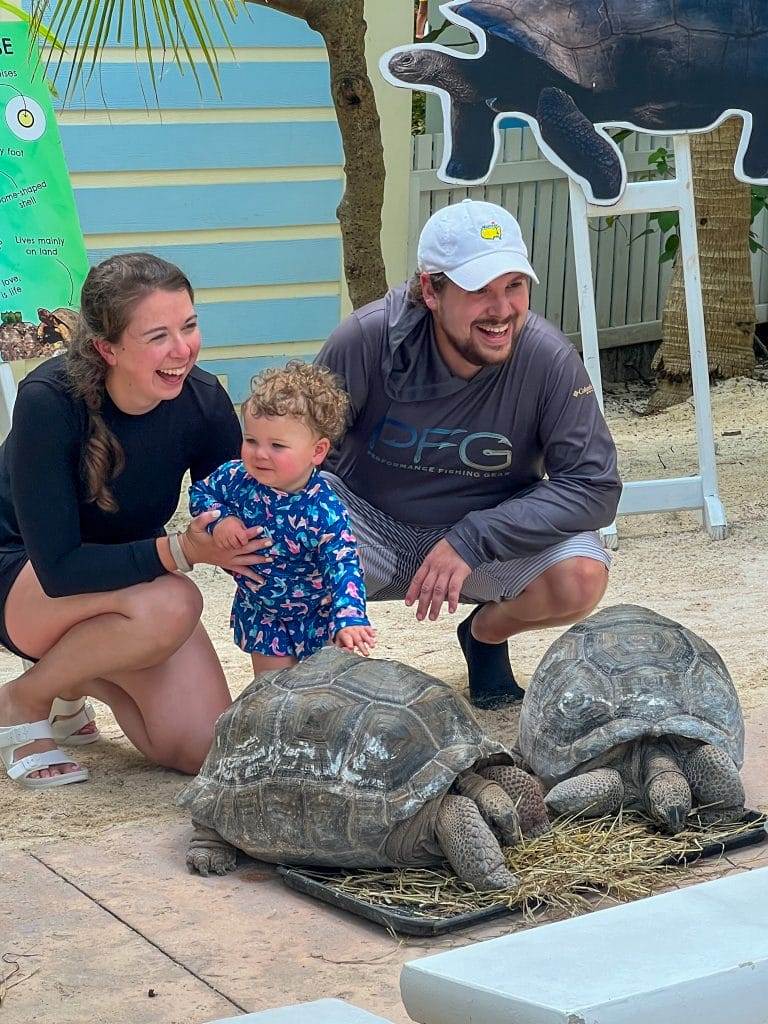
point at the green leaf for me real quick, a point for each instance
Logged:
(164, 24)
(37, 29)
(204, 41)
(102, 33)
(86, 30)
(148, 46)
(58, 17)
(667, 219)
(670, 249)
(661, 159)
(231, 7)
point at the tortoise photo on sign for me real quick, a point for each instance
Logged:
(22, 340)
(574, 68)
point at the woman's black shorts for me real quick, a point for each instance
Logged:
(11, 564)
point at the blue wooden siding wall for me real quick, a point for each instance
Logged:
(239, 190)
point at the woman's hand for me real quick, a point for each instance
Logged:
(199, 546)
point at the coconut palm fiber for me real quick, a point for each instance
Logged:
(723, 213)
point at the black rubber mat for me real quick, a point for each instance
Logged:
(403, 921)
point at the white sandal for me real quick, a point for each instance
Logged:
(66, 730)
(14, 736)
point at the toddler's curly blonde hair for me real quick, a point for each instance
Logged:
(309, 393)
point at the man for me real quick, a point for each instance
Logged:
(477, 464)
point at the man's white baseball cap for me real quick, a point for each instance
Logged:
(473, 242)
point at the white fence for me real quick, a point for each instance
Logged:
(630, 283)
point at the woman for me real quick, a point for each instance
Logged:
(91, 588)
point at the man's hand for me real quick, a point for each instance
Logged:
(230, 533)
(439, 578)
(356, 638)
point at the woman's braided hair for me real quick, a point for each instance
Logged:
(110, 294)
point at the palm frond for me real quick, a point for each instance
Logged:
(36, 29)
(82, 28)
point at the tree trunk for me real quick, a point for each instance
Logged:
(723, 214)
(342, 26)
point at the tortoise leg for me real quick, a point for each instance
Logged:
(472, 140)
(469, 845)
(495, 805)
(666, 793)
(572, 136)
(208, 853)
(590, 795)
(525, 790)
(715, 783)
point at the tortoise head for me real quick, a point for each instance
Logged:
(668, 802)
(419, 66)
(666, 791)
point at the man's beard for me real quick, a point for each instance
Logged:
(472, 354)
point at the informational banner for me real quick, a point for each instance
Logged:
(42, 254)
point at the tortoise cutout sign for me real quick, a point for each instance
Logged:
(574, 68)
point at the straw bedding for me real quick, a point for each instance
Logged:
(621, 858)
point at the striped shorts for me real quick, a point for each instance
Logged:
(391, 552)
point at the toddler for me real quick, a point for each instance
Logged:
(312, 591)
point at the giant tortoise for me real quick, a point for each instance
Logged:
(352, 762)
(629, 707)
(656, 65)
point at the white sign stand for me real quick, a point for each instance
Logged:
(7, 399)
(688, 492)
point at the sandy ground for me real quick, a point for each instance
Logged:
(665, 562)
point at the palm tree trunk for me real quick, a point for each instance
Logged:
(723, 216)
(342, 26)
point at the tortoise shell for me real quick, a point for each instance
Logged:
(317, 764)
(621, 675)
(592, 42)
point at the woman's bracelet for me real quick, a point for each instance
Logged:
(177, 553)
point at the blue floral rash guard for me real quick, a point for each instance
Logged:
(313, 587)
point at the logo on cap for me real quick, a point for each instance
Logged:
(492, 230)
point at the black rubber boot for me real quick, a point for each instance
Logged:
(492, 684)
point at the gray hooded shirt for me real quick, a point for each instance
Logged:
(510, 462)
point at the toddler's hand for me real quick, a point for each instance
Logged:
(230, 533)
(356, 638)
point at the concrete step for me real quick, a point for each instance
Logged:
(322, 1011)
(698, 954)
